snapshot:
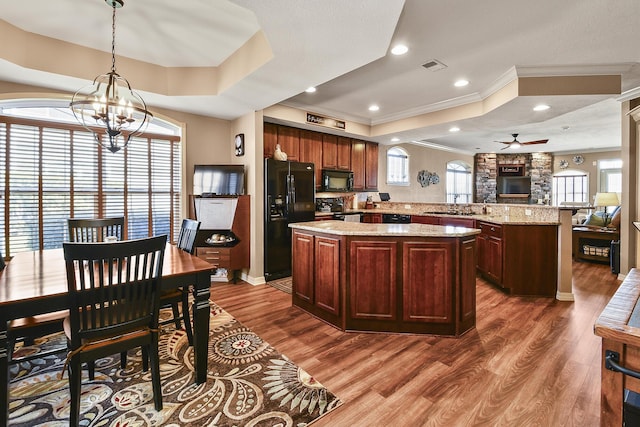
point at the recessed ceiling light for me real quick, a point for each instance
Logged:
(310, 89)
(461, 83)
(454, 129)
(374, 107)
(399, 49)
(395, 139)
(541, 107)
(565, 128)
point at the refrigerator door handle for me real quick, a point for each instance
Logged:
(292, 189)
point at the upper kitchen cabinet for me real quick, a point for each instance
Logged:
(270, 139)
(371, 166)
(289, 140)
(329, 151)
(344, 153)
(311, 151)
(358, 164)
(287, 137)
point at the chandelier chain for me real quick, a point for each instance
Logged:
(113, 40)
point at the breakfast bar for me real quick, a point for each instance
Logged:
(401, 278)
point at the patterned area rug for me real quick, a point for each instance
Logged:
(248, 384)
(283, 284)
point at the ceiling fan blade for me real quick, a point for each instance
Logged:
(505, 146)
(504, 142)
(540, 141)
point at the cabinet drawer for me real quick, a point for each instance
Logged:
(216, 256)
(490, 229)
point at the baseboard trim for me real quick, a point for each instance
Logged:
(564, 296)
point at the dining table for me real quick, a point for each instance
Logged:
(35, 283)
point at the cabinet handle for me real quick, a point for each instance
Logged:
(493, 229)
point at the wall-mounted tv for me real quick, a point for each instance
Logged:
(218, 180)
(514, 185)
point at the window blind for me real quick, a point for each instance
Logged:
(53, 171)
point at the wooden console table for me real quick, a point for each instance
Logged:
(596, 241)
(619, 327)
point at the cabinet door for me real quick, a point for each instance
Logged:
(270, 137)
(289, 140)
(425, 219)
(358, 164)
(311, 151)
(327, 274)
(302, 266)
(482, 241)
(373, 280)
(329, 151)
(371, 169)
(344, 153)
(428, 263)
(494, 259)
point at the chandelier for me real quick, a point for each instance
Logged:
(109, 108)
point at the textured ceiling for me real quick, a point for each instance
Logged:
(342, 48)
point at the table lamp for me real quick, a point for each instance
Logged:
(606, 199)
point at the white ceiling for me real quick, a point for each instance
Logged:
(342, 48)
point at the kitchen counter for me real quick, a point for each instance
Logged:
(397, 278)
(495, 218)
(341, 228)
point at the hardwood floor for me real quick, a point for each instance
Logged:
(528, 362)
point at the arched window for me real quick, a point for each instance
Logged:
(459, 185)
(570, 186)
(54, 169)
(397, 166)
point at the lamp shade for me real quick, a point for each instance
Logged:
(606, 199)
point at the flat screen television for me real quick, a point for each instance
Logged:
(514, 185)
(218, 180)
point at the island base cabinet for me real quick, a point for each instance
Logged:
(372, 290)
(316, 275)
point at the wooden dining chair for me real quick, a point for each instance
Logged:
(95, 229)
(180, 296)
(114, 293)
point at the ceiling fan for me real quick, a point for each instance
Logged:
(517, 144)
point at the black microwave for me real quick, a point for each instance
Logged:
(337, 180)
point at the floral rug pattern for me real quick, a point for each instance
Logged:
(248, 384)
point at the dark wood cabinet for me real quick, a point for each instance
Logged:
(373, 281)
(316, 267)
(490, 251)
(522, 259)
(329, 151)
(289, 140)
(427, 263)
(302, 247)
(371, 168)
(311, 152)
(343, 153)
(270, 139)
(425, 219)
(326, 151)
(372, 218)
(386, 283)
(327, 274)
(358, 164)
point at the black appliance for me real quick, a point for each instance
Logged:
(218, 180)
(514, 185)
(337, 180)
(289, 197)
(396, 219)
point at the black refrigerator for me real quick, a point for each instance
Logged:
(290, 192)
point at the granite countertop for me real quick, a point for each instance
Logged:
(343, 228)
(496, 219)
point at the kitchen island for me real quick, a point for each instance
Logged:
(411, 278)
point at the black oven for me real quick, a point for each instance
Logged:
(337, 180)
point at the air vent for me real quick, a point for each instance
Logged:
(434, 65)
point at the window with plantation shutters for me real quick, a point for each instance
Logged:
(52, 171)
